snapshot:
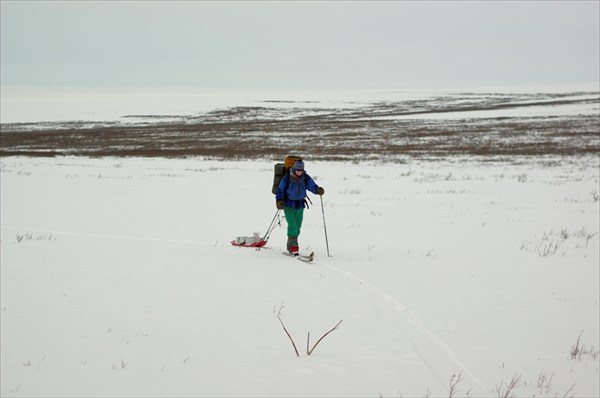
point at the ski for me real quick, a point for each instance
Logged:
(302, 257)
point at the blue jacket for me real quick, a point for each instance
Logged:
(293, 191)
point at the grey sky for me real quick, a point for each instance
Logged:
(247, 45)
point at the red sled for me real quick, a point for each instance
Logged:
(256, 240)
(249, 241)
(260, 243)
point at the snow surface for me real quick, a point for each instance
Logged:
(118, 279)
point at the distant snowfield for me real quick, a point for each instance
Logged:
(526, 111)
(26, 105)
(118, 279)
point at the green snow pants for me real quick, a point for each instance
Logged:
(294, 221)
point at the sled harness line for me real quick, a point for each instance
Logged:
(272, 226)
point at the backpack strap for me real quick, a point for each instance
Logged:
(286, 178)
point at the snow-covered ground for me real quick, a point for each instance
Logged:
(118, 279)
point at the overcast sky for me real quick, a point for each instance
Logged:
(322, 45)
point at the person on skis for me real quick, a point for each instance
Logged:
(290, 196)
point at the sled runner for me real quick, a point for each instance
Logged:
(260, 243)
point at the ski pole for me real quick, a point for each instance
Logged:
(325, 226)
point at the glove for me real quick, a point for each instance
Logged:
(279, 204)
(320, 191)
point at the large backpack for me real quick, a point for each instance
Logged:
(282, 168)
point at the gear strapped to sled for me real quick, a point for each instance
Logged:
(256, 240)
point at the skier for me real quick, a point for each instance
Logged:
(290, 195)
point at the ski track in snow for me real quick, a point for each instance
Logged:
(112, 236)
(420, 337)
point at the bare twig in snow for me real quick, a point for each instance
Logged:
(318, 341)
(545, 383)
(575, 349)
(506, 391)
(454, 380)
(570, 393)
(309, 350)
(288, 334)
(281, 307)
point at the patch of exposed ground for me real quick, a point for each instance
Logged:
(375, 131)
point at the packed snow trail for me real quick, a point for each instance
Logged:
(422, 339)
